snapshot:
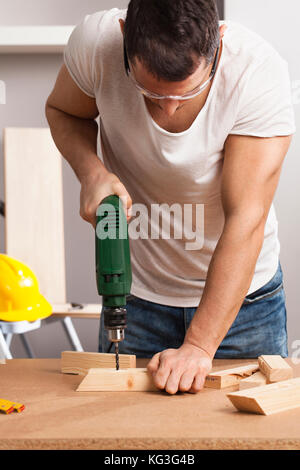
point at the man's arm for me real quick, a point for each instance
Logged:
(71, 116)
(250, 176)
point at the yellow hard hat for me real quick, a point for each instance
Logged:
(20, 298)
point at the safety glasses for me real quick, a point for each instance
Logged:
(187, 96)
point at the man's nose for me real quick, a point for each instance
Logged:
(169, 106)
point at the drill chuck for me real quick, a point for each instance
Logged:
(115, 323)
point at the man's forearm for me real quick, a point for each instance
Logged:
(228, 280)
(76, 139)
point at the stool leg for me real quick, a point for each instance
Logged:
(8, 338)
(27, 346)
(71, 333)
(4, 349)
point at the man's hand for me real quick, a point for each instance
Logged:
(95, 187)
(183, 369)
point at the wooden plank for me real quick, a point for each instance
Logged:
(34, 207)
(268, 399)
(75, 362)
(229, 377)
(111, 380)
(275, 368)
(255, 380)
(66, 310)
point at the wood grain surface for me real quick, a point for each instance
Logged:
(34, 230)
(58, 417)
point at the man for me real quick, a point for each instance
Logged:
(191, 113)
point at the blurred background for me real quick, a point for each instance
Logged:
(29, 79)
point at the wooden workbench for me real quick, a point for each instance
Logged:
(57, 417)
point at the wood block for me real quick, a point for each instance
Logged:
(275, 368)
(74, 362)
(112, 380)
(255, 380)
(268, 399)
(229, 377)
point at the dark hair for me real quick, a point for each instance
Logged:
(170, 37)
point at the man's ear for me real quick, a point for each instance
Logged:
(222, 30)
(122, 23)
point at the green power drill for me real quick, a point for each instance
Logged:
(113, 267)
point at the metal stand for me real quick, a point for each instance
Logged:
(69, 329)
(8, 329)
(4, 349)
(27, 346)
(71, 332)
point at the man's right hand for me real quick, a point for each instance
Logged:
(95, 187)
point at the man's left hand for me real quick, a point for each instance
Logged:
(183, 369)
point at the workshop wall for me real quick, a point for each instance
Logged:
(29, 79)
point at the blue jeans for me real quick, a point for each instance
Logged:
(259, 328)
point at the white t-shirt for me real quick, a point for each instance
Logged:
(250, 95)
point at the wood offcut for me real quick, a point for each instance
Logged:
(256, 380)
(111, 380)
(74, 362)
(268, 399)
(275, 368)
(229, 377)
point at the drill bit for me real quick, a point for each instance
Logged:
(117, 355)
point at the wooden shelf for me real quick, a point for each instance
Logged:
(66, 310)
(34, 39)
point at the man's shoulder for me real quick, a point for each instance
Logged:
(101, 26)
(243, 41)
(247, 52)
(104, 18)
